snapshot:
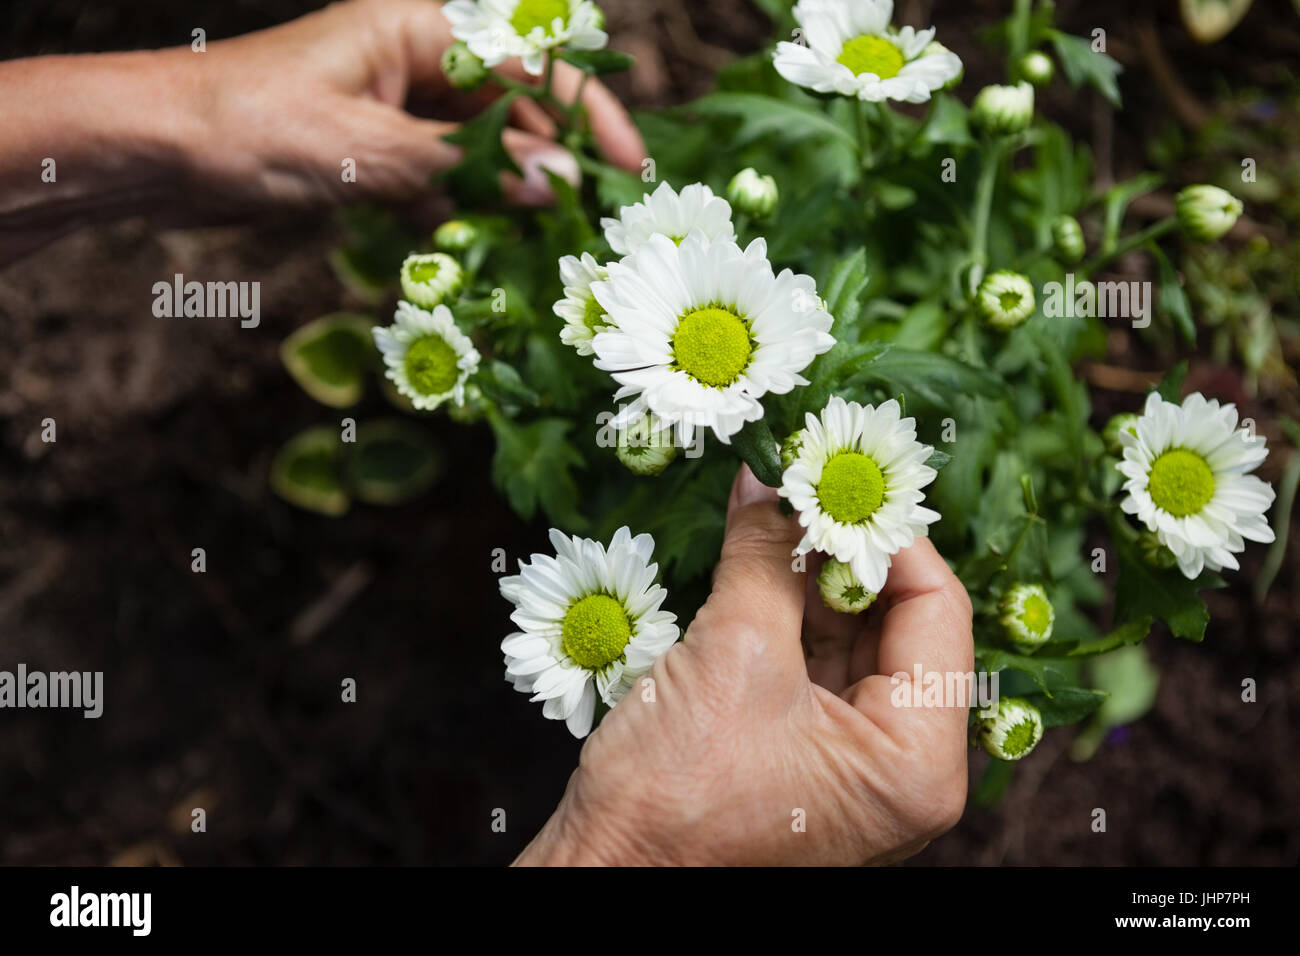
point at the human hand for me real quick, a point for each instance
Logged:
(774, 704)
(285, 106)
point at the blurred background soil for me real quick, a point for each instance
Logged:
(223, 689)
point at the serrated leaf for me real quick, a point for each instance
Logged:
(764, 116)
(533, 466)
(1162, 593)
(329, 357)
(476, 178)
(1083, 66)
(1068, 705)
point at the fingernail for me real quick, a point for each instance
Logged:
(536, 187)
(749, 489)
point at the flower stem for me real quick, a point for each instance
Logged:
(983, 207)
(1134, 241)
(864, 135)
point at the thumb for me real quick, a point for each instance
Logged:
(756, 607)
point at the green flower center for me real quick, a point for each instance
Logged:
(871, 54)
(1181, 482)
(1020, 738)
(596, 631)
(1037, 614)
(854, 594)
(425, 271)
(1010, 301)
(431, 366)
(531, 14)
(851, 487)
(594, 316)
(712, 346)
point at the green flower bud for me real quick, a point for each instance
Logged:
(752, 194)
(471, 411)
(936, 47)
(1125, 421)
(464, 71)
(1154, 553)
(1003, 110)
(644, 449)
(841, 591)
(1013, 732)
(790, 448)
(455, 235)
(431, 278)
(1067, 235)
(1037, 67)
(1027, 616)
(1207, 212)
(1005, 299)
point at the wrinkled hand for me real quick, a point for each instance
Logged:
(285, 106)
(771, 705)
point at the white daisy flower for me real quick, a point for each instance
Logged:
(429, 359)
(665, 212)
(699, 332)
(590, 624)
(856, 483)
(1027, 616)
(496, 30)
(851, 50)
(582, 314)
(1188, 481)
(430, 278)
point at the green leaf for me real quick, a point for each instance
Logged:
(393, 462)
(1068, 705)
(947, 123)
(1133, 631)
(938, 460)
(329, 357)
(1173, 298)
(533, 465)
(1211, 20)
(476, 178)
(756, 446)
(764, 116)
(1084, 67)
(501, 383)
(1171, 386)
(927, 377)
(1130, 683)
(1048, 673)
(598, 62)
(307, 471)
(1163, 593)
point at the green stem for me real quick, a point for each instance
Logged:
(864, 135)
(549, 77)
(983, 207)
(1134, 241)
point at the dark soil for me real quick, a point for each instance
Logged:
(221, 693)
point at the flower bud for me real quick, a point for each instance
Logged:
(1005, 299)
(1207, 212)
(455, 235)
(1123, 422)
(1013, 732)
(1154, 553)
(752, 194)
(841, 591)
(464, 71)
(1027, 616)
(1037, 67)
(1003, 110)
(645, 448)
(1067, 235)
(431, 278)
(790, 448)
(473, 408)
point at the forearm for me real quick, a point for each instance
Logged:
(92, 138)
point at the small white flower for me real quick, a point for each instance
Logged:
(496, 30)
(1014, 731)
(429, 359)
(1188, 481)
(856, 483)
(851, 50)
(1004, 109)
(1005, 299)
(667, 213)
(698, 333)
(428, 279)
(1207, 212)
(583, 316)
(841, 591)
(1027, 616)
(589, 624)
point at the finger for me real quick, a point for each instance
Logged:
(617, 137)
(756, 608)
(535, 155)
(828, 637)
(529, 116)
